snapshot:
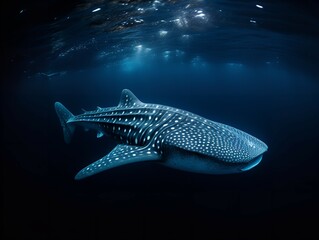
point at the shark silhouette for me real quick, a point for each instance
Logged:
(171, 136)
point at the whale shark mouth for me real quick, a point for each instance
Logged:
(253, 163)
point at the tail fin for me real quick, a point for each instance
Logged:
(64, 115)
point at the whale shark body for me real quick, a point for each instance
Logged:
(171, 136)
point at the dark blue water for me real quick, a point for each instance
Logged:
(248, 64)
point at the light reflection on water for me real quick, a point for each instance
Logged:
(139, 32)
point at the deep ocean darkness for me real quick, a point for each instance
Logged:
(249, 64)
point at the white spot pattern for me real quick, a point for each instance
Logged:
(121, 154)
(135, 123)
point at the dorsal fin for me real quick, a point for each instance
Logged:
(128, 99)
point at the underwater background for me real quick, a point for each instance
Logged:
(249, 64)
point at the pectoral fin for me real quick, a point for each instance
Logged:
(120, 155)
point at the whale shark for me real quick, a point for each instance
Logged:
(173, 137)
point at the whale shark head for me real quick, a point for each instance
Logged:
(244, 152)
(215, 148)
(258, 148)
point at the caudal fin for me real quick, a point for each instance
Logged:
(64, 115)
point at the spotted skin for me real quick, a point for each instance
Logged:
(174, 137)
